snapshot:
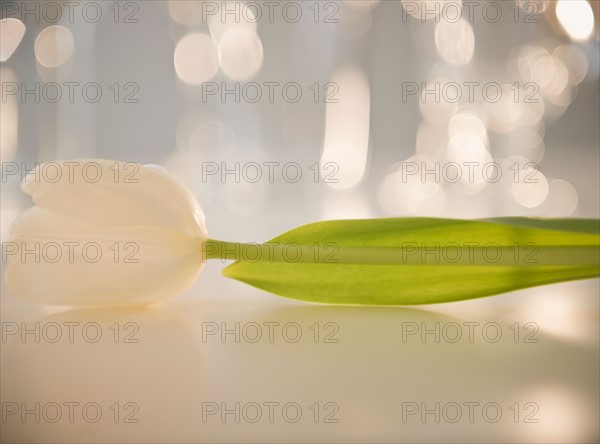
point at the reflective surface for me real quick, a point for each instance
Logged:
(227, 363)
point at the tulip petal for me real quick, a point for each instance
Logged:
(109, 193)
(54, 260)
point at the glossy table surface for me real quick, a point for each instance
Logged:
(228, 363)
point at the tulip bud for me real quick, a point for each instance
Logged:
(104, 233)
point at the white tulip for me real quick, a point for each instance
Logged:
(104, 233)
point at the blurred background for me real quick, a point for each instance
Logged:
(281, 113)
(199, 84)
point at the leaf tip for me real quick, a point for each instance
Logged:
(227, 271)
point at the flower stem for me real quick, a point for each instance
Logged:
(527, 254)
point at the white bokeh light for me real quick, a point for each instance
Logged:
(195, 59)
(467, 122)
(562, 199)
(346, 141)
(186, 12)
(406, 190)
(54, 46)
(575, 60)
(9, 119)
(576, 17)
(527, 142)
(240, 53)
(455, 42)
(11, 34)
(530, 188)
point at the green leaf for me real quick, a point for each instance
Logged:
(403, 261)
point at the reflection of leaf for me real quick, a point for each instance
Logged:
(414, 260)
